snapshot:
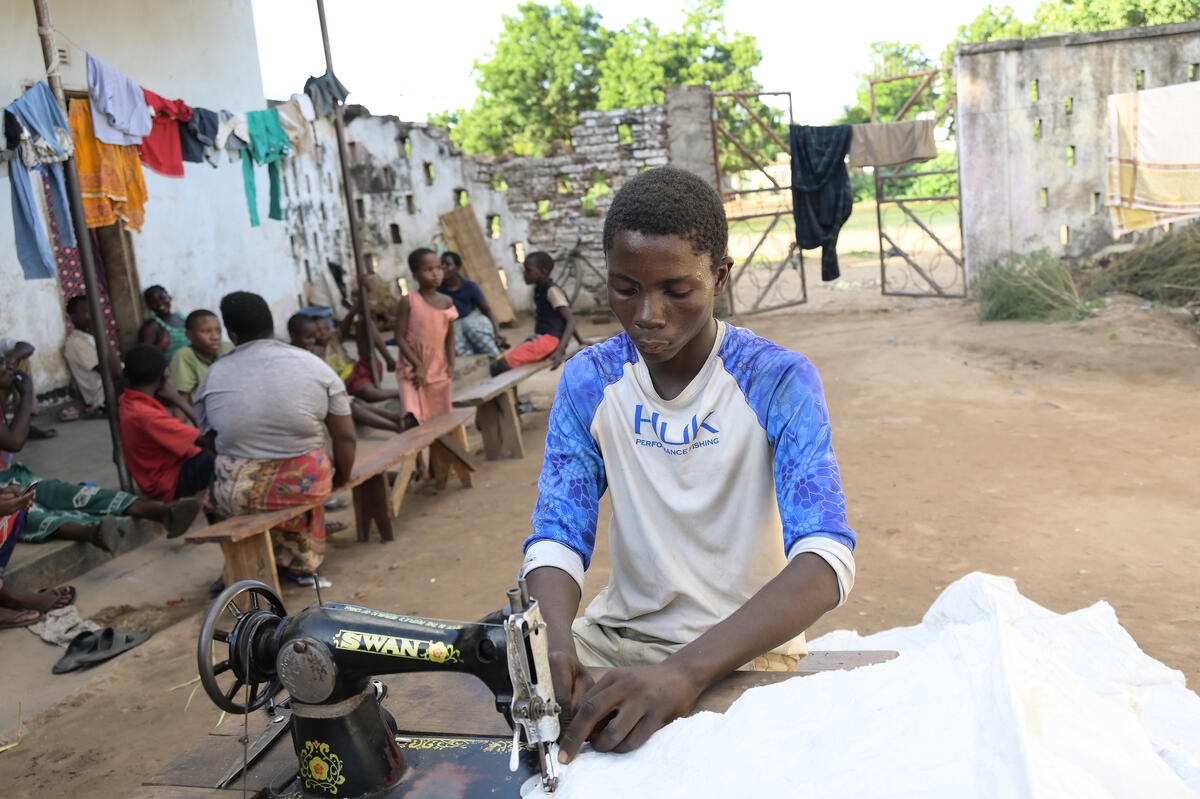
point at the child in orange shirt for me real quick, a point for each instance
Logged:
(425, 336)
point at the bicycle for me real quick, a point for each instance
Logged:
(573, 270)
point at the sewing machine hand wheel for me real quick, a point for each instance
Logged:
(232, 640)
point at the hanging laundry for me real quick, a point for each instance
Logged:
(326, 93)
(821, 194)
(1153, 155)
(892, 143)
(44, 143)
(119, 111)
(197, 136)
(268, 145)
(110, 176)
(298, 129)
(161, 150)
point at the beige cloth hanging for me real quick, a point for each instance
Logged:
(892, 143)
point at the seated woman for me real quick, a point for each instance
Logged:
(476, 330)
(164, 329)
(267, 406)
(70, 510)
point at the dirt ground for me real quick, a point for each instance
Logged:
(1063, 455)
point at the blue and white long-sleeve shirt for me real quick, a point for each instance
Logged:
(713, 492)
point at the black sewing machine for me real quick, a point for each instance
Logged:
(327, 656)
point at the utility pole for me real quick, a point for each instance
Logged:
(363, 337)
(83, 241)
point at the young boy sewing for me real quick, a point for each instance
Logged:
(167, 457)
(553, 321)
(728, 536)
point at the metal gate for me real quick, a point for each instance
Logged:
(920, 237)
(768, 269)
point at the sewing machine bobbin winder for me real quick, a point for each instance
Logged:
(327, 656)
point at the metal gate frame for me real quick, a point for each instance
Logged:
(765, 281)
(888, 247)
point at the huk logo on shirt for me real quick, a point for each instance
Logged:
(673, 437)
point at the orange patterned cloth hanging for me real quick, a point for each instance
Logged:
(110, 176)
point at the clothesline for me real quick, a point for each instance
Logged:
(131, 126)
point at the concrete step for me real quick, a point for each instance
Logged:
(53, 563)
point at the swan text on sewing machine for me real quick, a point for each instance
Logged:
(410, 648)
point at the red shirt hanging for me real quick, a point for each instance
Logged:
(160, 150)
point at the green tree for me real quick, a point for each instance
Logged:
(541, 75)
(1060, 16)
(890, 60)
(991, 24)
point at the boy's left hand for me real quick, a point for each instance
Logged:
(626, 706)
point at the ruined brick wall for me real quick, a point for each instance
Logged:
(406, 175)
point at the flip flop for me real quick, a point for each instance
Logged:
(38, 432)
(334, 527)
(181, 515)
(4, 625)
(68, 414)
(107, 535)
(91, 648)
(58, 598)
(337, 503)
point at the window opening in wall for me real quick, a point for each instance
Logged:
(461, 197)
(324, 217)
(307, 271)
(428, 168)
(493, 226)
(1069, 105)
(503, 279)
(410, 203)
(307, 184)
(315, 241)
(1070, 155)
(1139, 79)
(405, 146)
(389, 177)
(1037, 128)
(372, 263)
(360, 207)
(1064, 235)
(1044, 197)
(1193, 71)
(543, 210)
(625, 133)
(329, 180)
(395, 230)
(598, 189)
(518, 251)
(352, 147)
(286, 189)
(563, 184)
(499, 183)
(1033, 90)
(1095, 202)
(402, 284)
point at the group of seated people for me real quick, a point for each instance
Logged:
(198, 425)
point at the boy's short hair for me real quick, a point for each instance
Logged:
(195, 316)
(74, 302)
(144, 364)
(542, 261)
(297, 322)
(669, 201)
(247, 315)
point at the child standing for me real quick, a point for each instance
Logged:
(425, 336)
(553, 325)
(190, 364)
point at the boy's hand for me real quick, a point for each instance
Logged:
(419, 377)
(556, 359)
(501, 342)
(15, 498)
(390, 364)
(628, 705)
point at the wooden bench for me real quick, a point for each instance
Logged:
(496, 416)
(379, 481)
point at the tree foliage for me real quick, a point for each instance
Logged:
(552, 63)
(1061, 16)
(890, 60)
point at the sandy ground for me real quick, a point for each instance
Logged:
(1063, 455)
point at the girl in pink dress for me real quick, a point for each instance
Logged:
(425, 336)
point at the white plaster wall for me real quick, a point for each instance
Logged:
(197, 240)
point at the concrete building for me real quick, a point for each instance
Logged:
(407, 175)
(1031, 134)
(197, 239)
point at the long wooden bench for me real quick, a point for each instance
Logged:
(496, 415)
(379, 481)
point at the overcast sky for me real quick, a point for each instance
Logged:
(413, 58)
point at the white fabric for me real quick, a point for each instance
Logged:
(119, 112)
(306, 106)
(836, 554)
(82, 360)
(991, 696)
